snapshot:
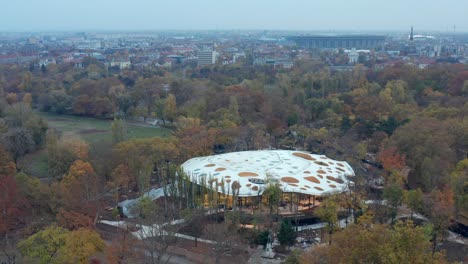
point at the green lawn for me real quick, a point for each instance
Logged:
(96, 132)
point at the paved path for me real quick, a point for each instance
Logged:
(454, 237)
(153, 194)
(146, 231)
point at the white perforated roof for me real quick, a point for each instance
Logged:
(295, 171)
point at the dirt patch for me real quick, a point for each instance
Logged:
(289, 180)
(255, 188)
(220, 169)
(91, 131)
(340, 164)
(318, 188)
(332, 185)
(247, 174)
(303, 155)
(58, 120)
(321, 172)
(210, 165)
(312, 179)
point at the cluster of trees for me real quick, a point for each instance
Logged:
(366, 242)
(408, 123)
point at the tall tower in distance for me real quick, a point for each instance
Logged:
(411, 35)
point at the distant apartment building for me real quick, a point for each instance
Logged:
(284, 63)
(206, 57)
(120, 63)
(353, 56)
(45, 62)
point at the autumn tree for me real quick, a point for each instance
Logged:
(74, 198)
(119, 131)
(21, 116)
(414, 199)
(63, 152)
(45, 245)
(145, 156)
(376, 243)
(58, 245)
(194, 139)
(73, 220)
(80, 245)
(328, 212)
(7, 166)
(19, 142)
(428, 153)
(12, 205)
(170, 108)
(35, 192)
(459, 184)
(27, 99)
(11, 98)
(120, 179)
(441, 206)
(393, 194)
(80, 185)
(235, 187)
(391, 160)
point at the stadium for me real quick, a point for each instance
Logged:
(338, 41)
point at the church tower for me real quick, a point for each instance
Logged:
(411, 35)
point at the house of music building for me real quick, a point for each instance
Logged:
(295, 172)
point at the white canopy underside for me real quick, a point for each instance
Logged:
(294, 171)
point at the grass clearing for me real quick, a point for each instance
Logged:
(97, 132)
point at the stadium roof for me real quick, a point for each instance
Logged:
(294, 171)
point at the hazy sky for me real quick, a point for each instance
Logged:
(325, 15)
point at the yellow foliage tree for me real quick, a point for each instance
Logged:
(81, 245)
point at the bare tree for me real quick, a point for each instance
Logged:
(156, 235)
(195, 221)
(8, 249)
(225, 237)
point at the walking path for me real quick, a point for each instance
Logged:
(146, 231)
(128, 205)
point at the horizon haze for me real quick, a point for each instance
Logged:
(296, 15)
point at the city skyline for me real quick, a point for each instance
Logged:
(300, 15)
